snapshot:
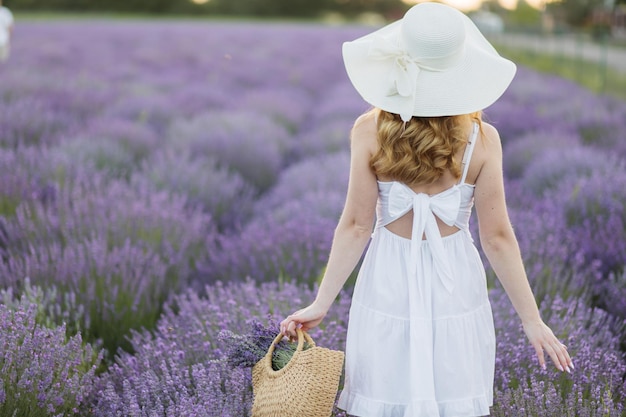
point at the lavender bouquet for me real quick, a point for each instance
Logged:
(244, 351)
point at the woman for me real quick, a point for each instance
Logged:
(420, 338)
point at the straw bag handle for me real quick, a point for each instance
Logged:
(302, 336)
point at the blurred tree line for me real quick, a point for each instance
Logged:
(570, 13)
(260, 8)
(580, 12)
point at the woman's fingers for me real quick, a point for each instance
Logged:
(291, 329)
(306, 318)
(553, 353)
(542, 359)
(563, 354)
(288, 327)
(560, 351)
(544, 340)
(559, 355)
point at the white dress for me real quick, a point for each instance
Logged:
(421, 340)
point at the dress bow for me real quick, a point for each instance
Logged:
(445, 206)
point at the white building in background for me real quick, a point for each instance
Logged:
(6, 28)
(487, 22)
(618, 22)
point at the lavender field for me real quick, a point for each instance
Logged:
(165, 181)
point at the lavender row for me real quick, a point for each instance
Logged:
(180, 369)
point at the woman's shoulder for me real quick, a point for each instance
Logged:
(489, 132)
(366, 120)
(365, 130)
(488, 149)
(490, 138)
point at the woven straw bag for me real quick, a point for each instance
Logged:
(306, 387)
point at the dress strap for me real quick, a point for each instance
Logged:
(469, 149)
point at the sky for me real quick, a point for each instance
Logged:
(467, 5)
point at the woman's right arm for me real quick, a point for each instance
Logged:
(353, 230)
(500, 245)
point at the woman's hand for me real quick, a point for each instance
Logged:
(542, 338)
(306, 319)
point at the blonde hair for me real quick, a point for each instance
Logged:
(420, 151)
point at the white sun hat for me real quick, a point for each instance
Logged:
(432, 62)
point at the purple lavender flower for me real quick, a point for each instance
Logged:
(244, 351)
(319, 177)
(95, 206)
(152, 110)
(523, 150)
(182, 365)
(26, 177)
(268, 249)
(118, 289)
(595, 209)
(287, 106)
(205, 184)
(17, 128)
(341, 102)
(595, 387)
(326, 139)
(546, 171)
(43, 372)
(136, 138)
(245, 142)
(121, 254)
(106, 156)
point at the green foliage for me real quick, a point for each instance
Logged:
(575, 12)
(493, 6)
(281, 357)
(146, 6)
(257, 8)
(524, 16)
(8, 205)
(596, 77)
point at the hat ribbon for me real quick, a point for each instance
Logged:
(404, 72)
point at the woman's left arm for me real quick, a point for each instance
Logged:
(500, 245)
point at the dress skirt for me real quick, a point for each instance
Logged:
(414, 348)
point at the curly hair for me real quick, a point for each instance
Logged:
(423, 149)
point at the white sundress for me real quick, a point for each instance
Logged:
(421, 340)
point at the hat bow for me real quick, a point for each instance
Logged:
(404, 70)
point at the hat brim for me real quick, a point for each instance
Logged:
(479, 78)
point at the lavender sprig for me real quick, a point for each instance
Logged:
(244, 351)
